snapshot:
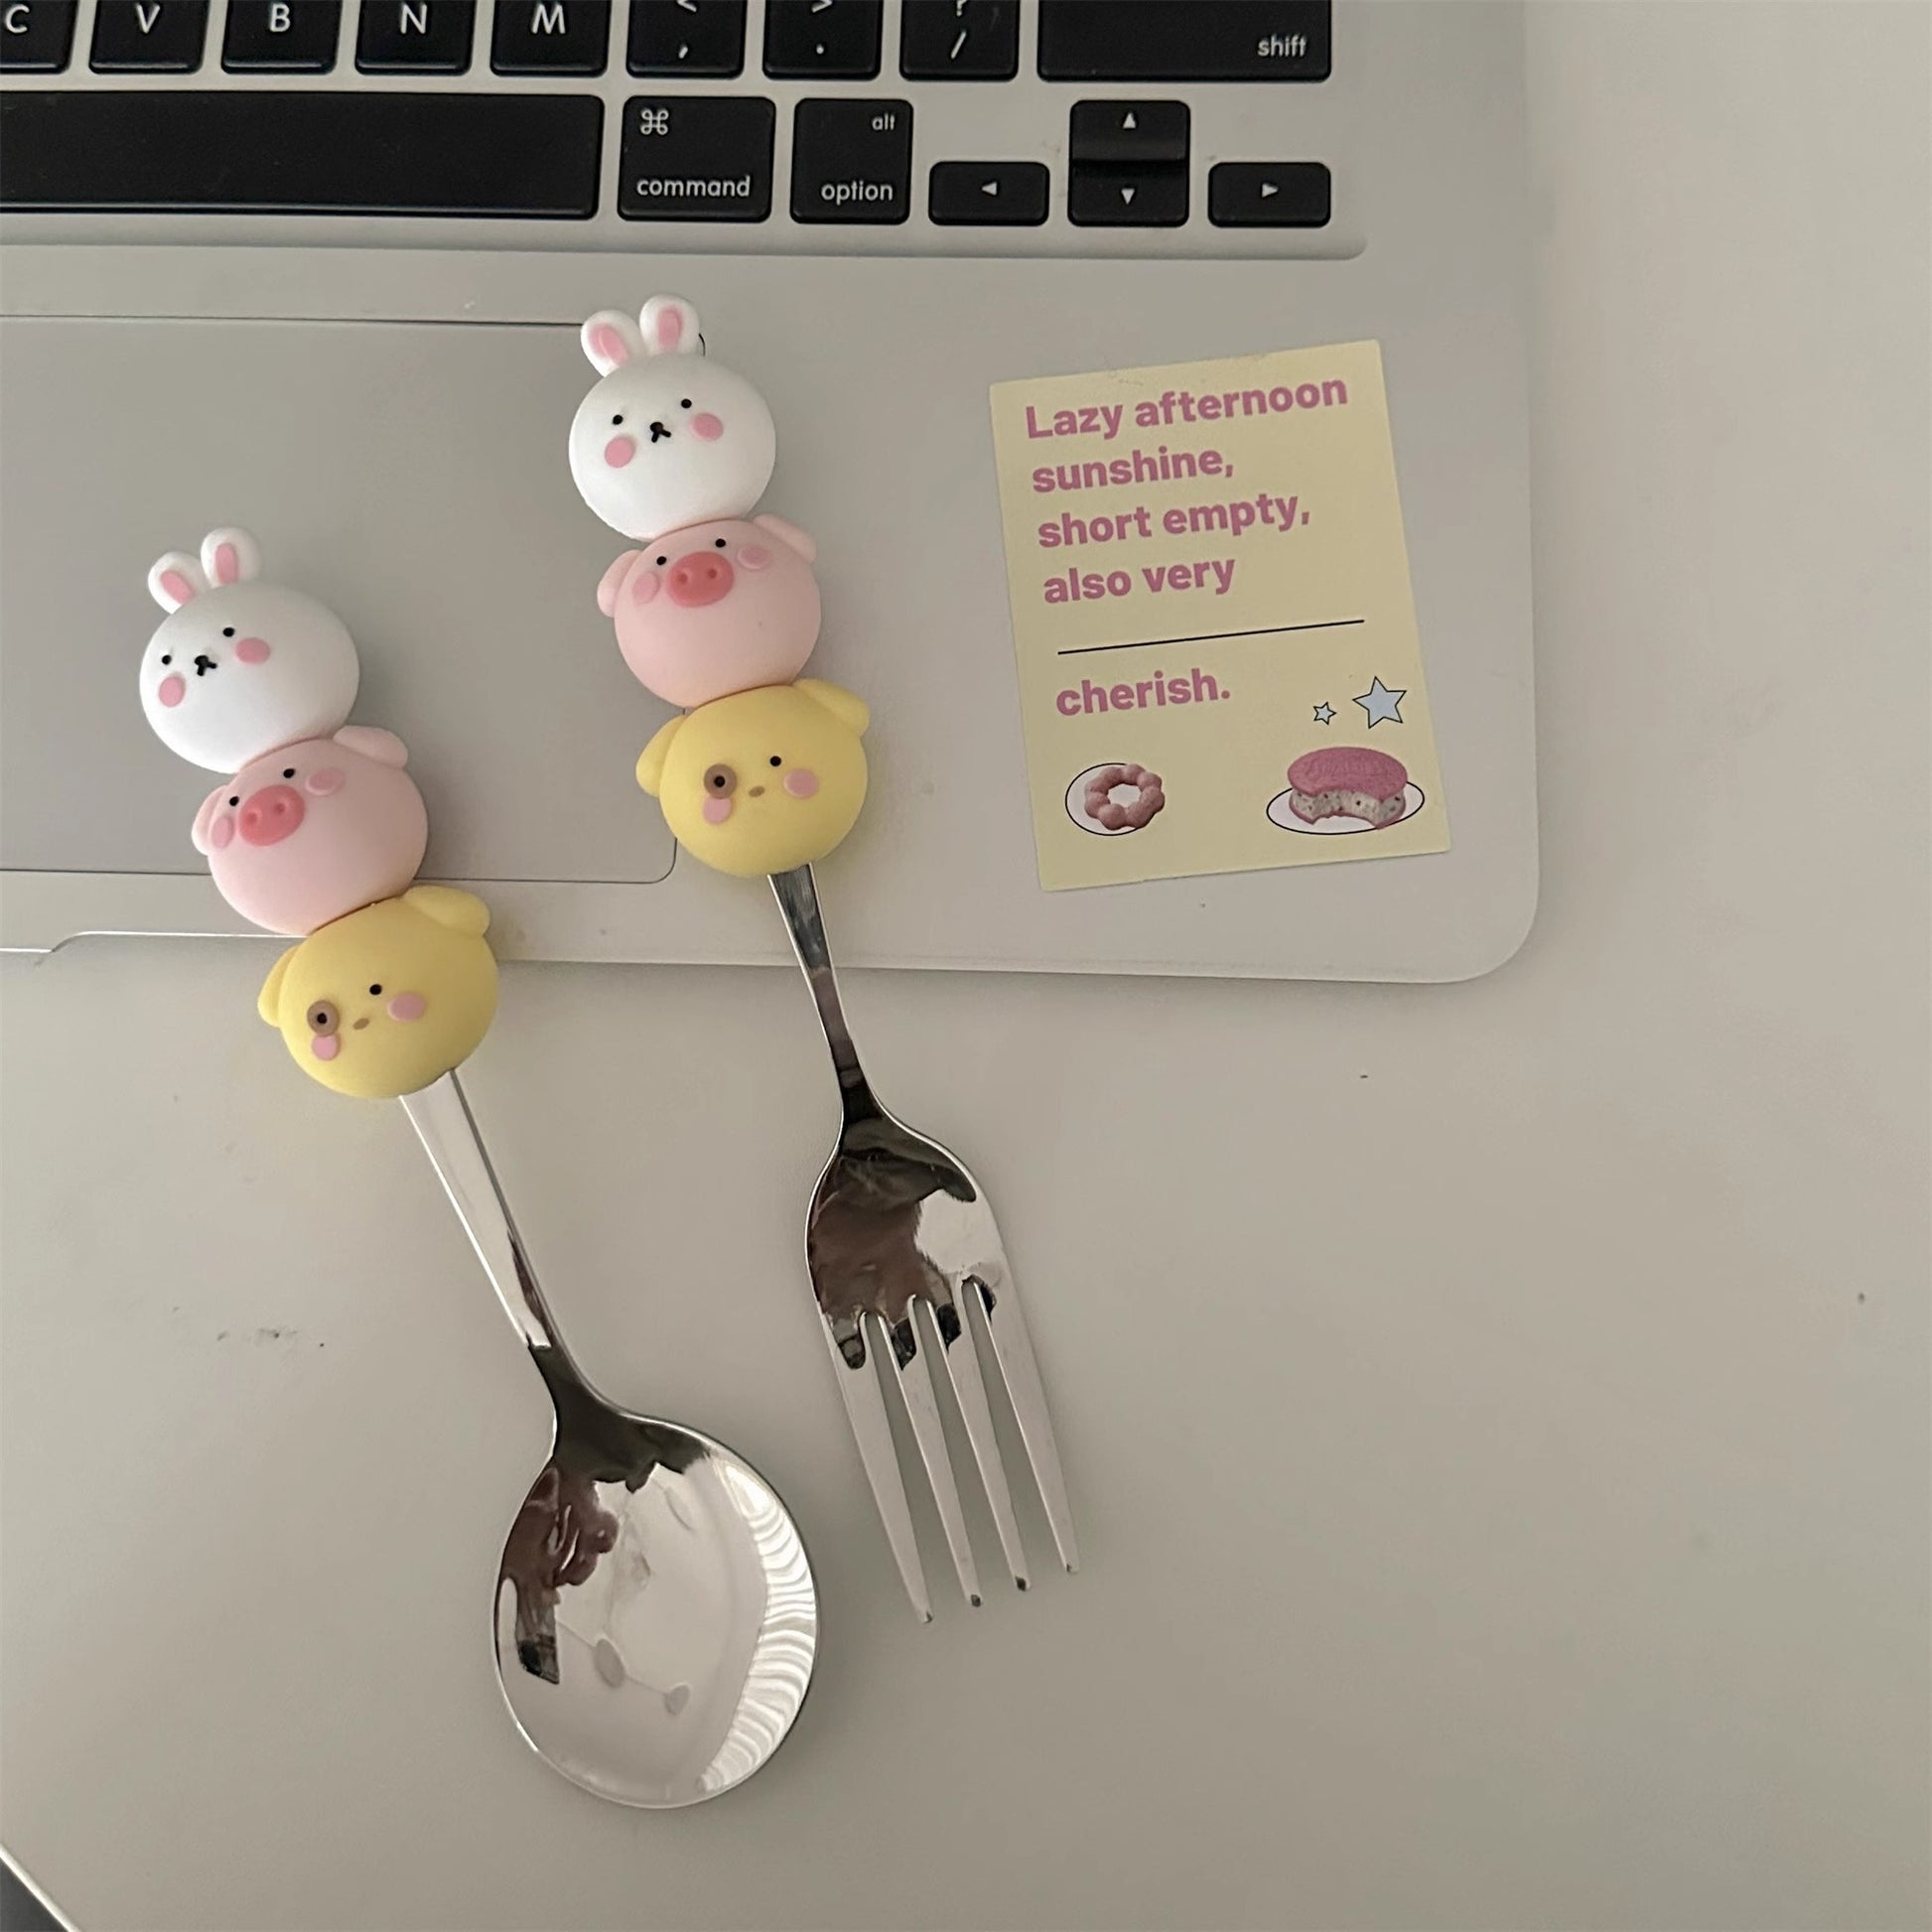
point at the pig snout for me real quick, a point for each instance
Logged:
(269, 815)
(704, 577)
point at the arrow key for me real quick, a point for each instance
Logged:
(1268, 195)
(1128, 133)
(987, 193)
(696, 37)
(1127, 197)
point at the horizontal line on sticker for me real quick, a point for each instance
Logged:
(1210, 637)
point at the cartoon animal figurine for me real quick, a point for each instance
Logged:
(763, 781)
(383, 1001)
(667, 437)
(715, 608)
(315, 830)
(239, 667)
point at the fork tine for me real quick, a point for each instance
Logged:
(865, 1407)
(915, 1384)
(961, 1357)
(1013, 1349)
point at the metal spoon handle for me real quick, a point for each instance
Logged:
(797, 895)
(444, 1124)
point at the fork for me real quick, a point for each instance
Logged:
(905, 1262)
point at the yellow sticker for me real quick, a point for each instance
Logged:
(1219, 662)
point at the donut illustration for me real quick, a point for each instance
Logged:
(1092, 804)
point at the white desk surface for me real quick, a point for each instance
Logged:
(1522, 1524)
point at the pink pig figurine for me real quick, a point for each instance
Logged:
(317, 830)
(715, 608)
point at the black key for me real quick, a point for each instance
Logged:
(1127, 197)
(670, 36)
(281, 35)
(959, 40)
(550, 36)
(851, 161)
(361, 152)
(822, 40)
(415, 36)
(35, 36)
(148, 36)
(987, 193)
(1184, 40)
(1128, 133)
(1268, 195)
(696, 158)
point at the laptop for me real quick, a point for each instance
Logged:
(317, 268)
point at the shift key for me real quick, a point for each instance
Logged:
(1185, 40)
(696, 158)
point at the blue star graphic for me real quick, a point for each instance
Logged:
(1381, 703)
(1324, 714)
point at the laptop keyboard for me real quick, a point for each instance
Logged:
(852, 125)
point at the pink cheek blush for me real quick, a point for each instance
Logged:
(222, 833)
(643, 586)
(408, 1006)
(173, 690)
(717, 810)
(802, 783)
(252, 650)
(705, 425)
(754, 556)
(324, 1047)
(322, 783)
(619, 450)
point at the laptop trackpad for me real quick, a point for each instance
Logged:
(410, 475)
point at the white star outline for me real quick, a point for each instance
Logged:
(1382, 705)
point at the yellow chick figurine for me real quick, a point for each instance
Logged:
(389, 999)
(763, 781)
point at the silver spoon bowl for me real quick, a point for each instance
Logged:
(656, 1617)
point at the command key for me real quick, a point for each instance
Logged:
(696, 158)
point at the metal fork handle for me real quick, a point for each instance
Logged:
(441, 1116)
(797, 895)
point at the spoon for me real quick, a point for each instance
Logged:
(656, 1617)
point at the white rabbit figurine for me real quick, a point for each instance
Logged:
(239, 667)
(668, 438)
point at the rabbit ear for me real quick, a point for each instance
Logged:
(610, 341)
(176, 579)
(671, 327)
(229, 556)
